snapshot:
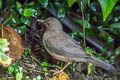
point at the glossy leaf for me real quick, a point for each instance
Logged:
(10, 69)
(61, 12)
(21, 29)
(45, 69)
(29, 12)
(44, 3)
(107, 6)
(25, 21)
(44, 64)
(117, 51)
(28, 50)
(71, 2)
(20, 10)
(15, 19)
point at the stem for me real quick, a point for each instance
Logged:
(84, 41)
(8, 19)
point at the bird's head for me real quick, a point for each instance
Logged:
(52, 24)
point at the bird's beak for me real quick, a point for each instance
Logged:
(40, 20)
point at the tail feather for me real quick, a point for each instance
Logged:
(96, 62)
(100, 63)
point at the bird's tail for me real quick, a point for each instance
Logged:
(100, 63)
(96, 62)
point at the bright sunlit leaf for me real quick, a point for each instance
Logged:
(107, 6)
(29, 12)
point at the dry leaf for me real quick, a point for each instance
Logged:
(16, 48)
(60, 76)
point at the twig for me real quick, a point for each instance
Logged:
(33, 70)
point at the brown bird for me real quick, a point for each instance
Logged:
(62, 47)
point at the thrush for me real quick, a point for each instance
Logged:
(64, 48)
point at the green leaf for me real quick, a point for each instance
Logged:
(117, 51)
(31, 3)
(3, 57)
(21, 29)
(89, 3)
(115, 25)
(44, 64)
(10, 69)
(0, 4)
(18, 5)
(25, 21)
(107, 6)
(29, 12)
(87, 24)
(107, 37)
(90, 68)
(75, 32)
(45, 69)
(4, 45)
(19, 76)
(38, 78)
(15, 19)
(71, 2)
(20, 10)
(99, 55)
(115, 28)
(89, 51)
(20, 69)
(34, 79)
(44, 3)
(28, 50)
(61, 12)
(100, 28)
(27, 78)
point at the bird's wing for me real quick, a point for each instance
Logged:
(63, 45)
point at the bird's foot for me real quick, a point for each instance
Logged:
(56, 71)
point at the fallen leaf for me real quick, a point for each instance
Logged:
(16, 48)
(60, 76)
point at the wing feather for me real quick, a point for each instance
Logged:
(63, 45)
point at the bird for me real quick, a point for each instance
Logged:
(64, 48)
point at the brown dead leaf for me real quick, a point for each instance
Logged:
(60, 76)
(16, 48)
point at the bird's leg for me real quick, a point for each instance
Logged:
(61, 71)
(66, 65)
